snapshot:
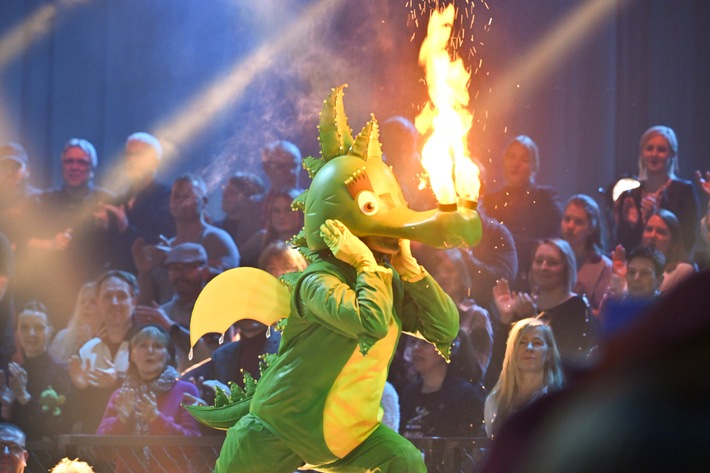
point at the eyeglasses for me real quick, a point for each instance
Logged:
(184, 267)
(14, 448)
(79, 162)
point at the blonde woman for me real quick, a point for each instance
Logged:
(531, 369)
(84, 325)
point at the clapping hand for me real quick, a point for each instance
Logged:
(147, 407)
(512, 305)
(18, 382)
(102, 377)
(704, 183)
(125, 403)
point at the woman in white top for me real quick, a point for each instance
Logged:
(531, 368)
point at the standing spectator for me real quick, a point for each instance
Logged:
(281, 161)
(103, 361)
(188, 201)
(143, 209)
(13, 456)
(242, 204)
(531, 369)
(17, 196)
(36, 385)
(69, 239)
(282, 224)
(660, 188)
(582, 229)
(530, 211)
(187, 273)
(400, 150)
(149, 403)
(439, 403)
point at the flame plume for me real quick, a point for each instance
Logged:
(445, 118)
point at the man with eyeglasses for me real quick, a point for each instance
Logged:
(69, 233)
(13, 456)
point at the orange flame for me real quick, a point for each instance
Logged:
(445, 155)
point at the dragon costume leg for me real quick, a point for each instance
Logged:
(251, 448)
(385, 451)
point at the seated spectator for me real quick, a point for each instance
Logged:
(530, 211)
(188, 202)
(660, 188)
(36, 385)
(66, 465)
(552, 278)
(68, 239)
(663, 231)
(702, 251)
(282, 224)
(243, 206)
(447, 267)
(643, 277)
(187, 273)
(103, 361)
(582, 229)
(149, 403)
(7, 319)
(13, 455)
(439, 403)
(84, 325)
(531, 369)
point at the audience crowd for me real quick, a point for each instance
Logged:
(97, 288)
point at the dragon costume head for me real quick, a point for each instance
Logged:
(352, 183)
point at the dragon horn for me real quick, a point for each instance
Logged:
(367, 142)
(334, 132)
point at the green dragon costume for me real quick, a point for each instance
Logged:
(317, 406)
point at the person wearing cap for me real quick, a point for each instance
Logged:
(68, 238)
(188, 273)
(143, 209)
(13, 455)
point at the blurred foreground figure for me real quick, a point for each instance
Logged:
(646, 407)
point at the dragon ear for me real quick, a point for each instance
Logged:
(367, 143)
(334, 132)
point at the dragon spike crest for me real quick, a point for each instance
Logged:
(367, 144)
(335, 134)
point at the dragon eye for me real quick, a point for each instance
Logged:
(368, 203)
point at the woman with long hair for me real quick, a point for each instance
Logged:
(582, 229)
(531, 369)
(85, 324)
(663, 232)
